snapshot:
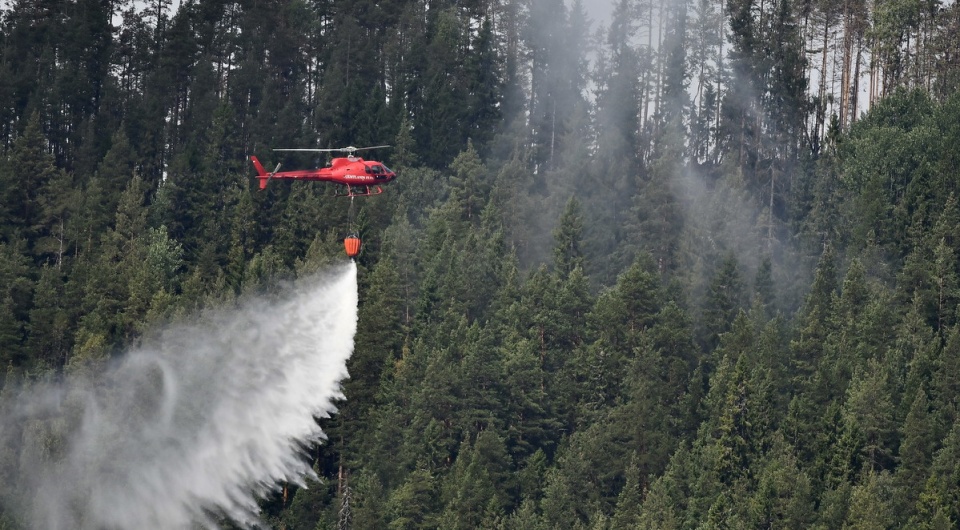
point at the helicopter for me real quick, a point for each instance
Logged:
(361, 177)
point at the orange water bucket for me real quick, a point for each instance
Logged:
(352, 245)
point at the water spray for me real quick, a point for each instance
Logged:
(197, 425)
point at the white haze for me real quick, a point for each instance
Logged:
(599, 10)
(200, 424)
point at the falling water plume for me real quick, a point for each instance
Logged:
(196, 425)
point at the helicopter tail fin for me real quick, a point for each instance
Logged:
(261, 172)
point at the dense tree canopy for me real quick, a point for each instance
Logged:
(694, 267)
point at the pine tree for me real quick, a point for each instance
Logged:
(628, 508)
(567, 250)
(763, 287)
(706, 37)
(524, 518)
(36, 170)
(15, 292)
(916, 453)
(11, 333)
(484, 87)
(50, 321)
(941, 493)
(369, 507)
(380, 333)
(724, 301)
(412, 505)
(738, 130)
(738, 435)
(56, 201)
(870, 412)
(812, 323)
(783, 496)
(659, 510)
(945, 387)
(869, 509)
(477, 483)
(442, 131)
(529, 425)
(933, 511)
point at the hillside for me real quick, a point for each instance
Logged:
(694, 270)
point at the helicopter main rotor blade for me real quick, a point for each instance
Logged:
(310, 150)
(348, 149)
(365, 148)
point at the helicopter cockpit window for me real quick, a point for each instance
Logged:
(376, 169)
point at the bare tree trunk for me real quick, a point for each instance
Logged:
(661, 55)
(874, 74)
(837, 50)
(344, 494)
(743, 127)
(924, 57)
(846, 66)
(820, 128)
(543, 358)
(855, 89)
(722, 19)
(762, 12)
(702, 52)
(907, 68)
(758, 121)
(60, 249)
(773, 180)
(553, 132)
(645, 111)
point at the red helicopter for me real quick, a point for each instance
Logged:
(361, 177)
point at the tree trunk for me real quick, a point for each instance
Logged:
(820, 128)
(855, 88)
(722, 18)
(846, 65)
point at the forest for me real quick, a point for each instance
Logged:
(692, 267)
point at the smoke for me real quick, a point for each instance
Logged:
(197, 425)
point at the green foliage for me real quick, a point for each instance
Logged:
(662, 288)
(784, 496)
(724, 301)
(869, 506)
(412, 505)
(567, 250)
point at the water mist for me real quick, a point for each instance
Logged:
(196, 425)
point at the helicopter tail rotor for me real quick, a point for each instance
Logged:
(262, 174)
